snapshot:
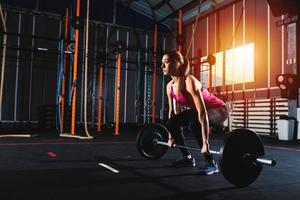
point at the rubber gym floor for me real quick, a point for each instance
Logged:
(63, 168)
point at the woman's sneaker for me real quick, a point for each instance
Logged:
(184, 162)
(209, 169)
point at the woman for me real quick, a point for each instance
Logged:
(204, 110)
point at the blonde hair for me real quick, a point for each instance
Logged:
(182, 69)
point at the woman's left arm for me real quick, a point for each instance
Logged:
(193, 86)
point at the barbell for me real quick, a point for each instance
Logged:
(241, 157)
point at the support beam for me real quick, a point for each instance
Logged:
(63, 89)
(160, 4)
(100, 98)
(118, 80)
(115, 12)
(180, 31)
(73, 116)
(184, 9)
(154, 75)
(3, 25)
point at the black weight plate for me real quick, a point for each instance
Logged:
(235, 168)
(145, 141)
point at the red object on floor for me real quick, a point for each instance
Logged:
(51, 154)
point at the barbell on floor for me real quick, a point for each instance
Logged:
(241, 157)
(262, 161)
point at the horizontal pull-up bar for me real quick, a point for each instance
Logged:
(46, 50)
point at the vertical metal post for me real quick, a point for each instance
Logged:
(268, 54)
(71, 63)
(82, 78)
(193, 67)
(31, 71)
(17, 69)
(215, 36)
(180, 30)
(64, 71)
(233, 45)
(154, 75)
(145, 81)
(244, 112)
(298, 61)
(73, 116)
(3, 71)
(116, 77)
(3, 59)
(37, 4)
(100, 98)
(115, 12)
(105, 72)
(94, 75)
(207, 52)
(59, 35)
(207, 36)
(244, 38)
(117, 113)
(272, 115)
(282, 46)
(126, 78)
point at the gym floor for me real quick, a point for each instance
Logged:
(65, 168)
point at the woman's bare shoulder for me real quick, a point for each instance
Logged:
(192, 79)
(169, 85)
(192, 82)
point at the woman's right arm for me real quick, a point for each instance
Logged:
(170, 100)
(171, 109)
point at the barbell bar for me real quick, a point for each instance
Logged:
(263, 161)
(183, 147)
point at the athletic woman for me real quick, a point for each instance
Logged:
(204, 110)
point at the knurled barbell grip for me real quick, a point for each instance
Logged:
(184, 147)
(214, 152)
(155, 141)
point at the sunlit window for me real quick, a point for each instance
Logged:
(239, 64)
(239, 67)
(218, 70)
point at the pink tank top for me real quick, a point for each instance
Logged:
(184, 98)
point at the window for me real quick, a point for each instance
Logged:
(239, 64)
(239, 67)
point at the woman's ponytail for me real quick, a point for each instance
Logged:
(184, 68)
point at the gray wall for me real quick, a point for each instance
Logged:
(31, 75)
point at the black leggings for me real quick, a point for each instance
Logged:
(216, 116)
